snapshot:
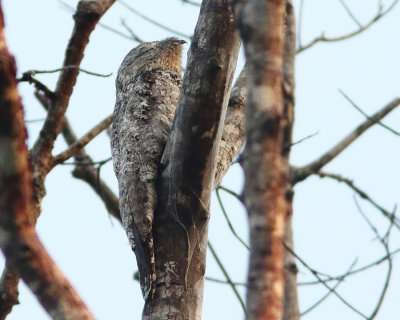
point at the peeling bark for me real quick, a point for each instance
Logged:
(261, 24)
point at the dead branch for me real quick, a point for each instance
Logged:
(77, 146)
(299, 174)
(379, 15)
(362, 194)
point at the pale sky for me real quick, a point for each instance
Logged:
(91, 248)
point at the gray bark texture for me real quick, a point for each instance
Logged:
(188, 167)
(147, 87)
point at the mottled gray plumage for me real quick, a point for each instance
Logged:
(147, 90)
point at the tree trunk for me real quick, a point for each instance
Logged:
(261, 24)
(188, 167)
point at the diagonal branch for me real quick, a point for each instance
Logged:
(380, 14)
(84, 169)
(77, 146)
(299, 174)
(362, 194)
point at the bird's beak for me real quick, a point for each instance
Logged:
(181, 41)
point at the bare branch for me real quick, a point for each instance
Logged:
(229, 221)
(28, 77)
(361, 193)
(86, 17)
(156, 23)
(380, 14)
(228, 278)
(299, 174)
(76, 147)
(366, 115)
(323, 298)
(85, 169)
(350, 13)
(133, 35)
(320, 280)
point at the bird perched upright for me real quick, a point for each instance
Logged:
(147, 90)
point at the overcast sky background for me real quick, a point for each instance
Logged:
(91, 248)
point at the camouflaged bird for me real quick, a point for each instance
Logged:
(147, 90)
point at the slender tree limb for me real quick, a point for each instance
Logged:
(134, 36)
(380, 14)
(320, 280)
(76, 147)
(86, 17)
(299, 174)
(351, 14)
(28, 77)
(229, 221)
(353, 272)
(85, 169)
(225, 282)
(366, 115)
(23, 251)
(324, 297)
(156, 23)
(362, 194)
(227, 277)
(385, 243)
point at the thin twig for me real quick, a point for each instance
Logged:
(232, 193)
(154, 21)
(385, 242)
(35, 72)
(229, 221)
(123, 35)
(355, 271)
(82, 142)
(286, 148)
(361, 193)
(299, 174)
(192, 3)
(350, 13)
(28, 77)
(324, 283)
(228, 278)
(133, 35)
(367, 116)
(380, 14)
(242, 284)
(323, 298)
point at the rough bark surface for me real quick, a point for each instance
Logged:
(188, 164)
(148, 85)
(261, 24)
(8, 292)
(18, 240)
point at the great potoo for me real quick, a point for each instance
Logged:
(147, 89)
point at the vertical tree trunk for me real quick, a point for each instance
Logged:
(261, 24)
(188, 167)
